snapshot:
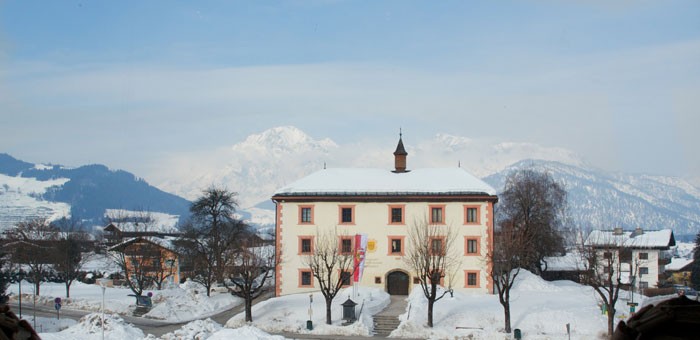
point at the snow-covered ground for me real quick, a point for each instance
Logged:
(180, 304)
(540, 309)
(289, 313)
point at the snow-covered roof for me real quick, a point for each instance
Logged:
(628, 239)
(677, 264)
(359, 181)
(150, 221)
(165, 242)
(572, 261)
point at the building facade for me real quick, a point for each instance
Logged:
(641, 255)
(384, 205)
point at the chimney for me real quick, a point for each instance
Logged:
(638, 231)
(617, 231)
(400, 157)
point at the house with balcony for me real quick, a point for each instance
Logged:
(156, 258)
(383, 205)
(641, 254)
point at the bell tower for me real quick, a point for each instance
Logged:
(400, 156)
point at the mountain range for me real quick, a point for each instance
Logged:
(264, 162)
(35, 190)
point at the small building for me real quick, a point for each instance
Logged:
(643, 253)
(570, 266)
(678, 271)
(382, 205)
(156, 256)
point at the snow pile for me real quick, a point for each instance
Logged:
(90, 327)
(289, 313)
(529, 282)
(189, 302)
(539, 308)
(243, 333)
(197, 330)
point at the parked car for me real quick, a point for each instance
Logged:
(685, 290)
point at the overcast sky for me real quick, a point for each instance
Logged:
(127, 84)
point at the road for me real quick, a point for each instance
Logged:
(148, 326)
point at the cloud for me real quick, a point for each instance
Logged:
(610, 106)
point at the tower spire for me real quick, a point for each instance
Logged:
(400, 155)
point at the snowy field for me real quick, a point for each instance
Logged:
(541, 309)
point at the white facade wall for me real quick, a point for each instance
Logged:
(373, 219)
(651, 263)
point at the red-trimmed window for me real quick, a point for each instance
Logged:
(437, 245)
(346, 278)
(345, 245)
(397, 214)
(306, 245)
(306, 214)
(471, 214)
(306, 279)
(472, 246)
(346, 214)
(437, 214)
(396, 245)
(471, 278)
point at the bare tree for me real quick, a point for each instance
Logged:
(332, 267)
(69, 256)
(609, 266)
(136, 259)
(136, 256)
(193, 247)
(198, 244)
(163, 267)
(32, 244)
(535, 204)
(215, 231)
(255, 264)
(431, 256)
(511, 251)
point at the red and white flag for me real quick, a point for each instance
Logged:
(360, 250)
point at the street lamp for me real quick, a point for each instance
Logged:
(103, 286)
(20, 276)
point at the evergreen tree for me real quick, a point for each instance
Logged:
(695, 269)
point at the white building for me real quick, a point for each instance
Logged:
(384, 204)
(643, 253)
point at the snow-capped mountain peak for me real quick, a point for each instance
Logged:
(283, 139)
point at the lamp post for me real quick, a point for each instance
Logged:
(102, 285)
(20, 293)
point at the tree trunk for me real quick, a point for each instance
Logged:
(431, 302)
(328, 311)
(67, 289)
(36, 285)
(611, 320)
(506, 314)
(248, 309)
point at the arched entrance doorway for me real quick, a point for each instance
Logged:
(397, 283)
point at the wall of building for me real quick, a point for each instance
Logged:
(636, 262)
(373, 219)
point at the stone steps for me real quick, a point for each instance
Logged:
(385, 324)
